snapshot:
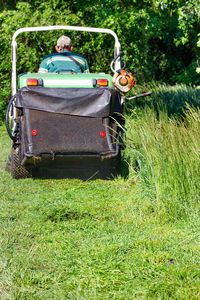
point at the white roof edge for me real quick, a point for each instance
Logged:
(60, 27)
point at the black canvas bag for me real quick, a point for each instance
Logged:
(68, 121)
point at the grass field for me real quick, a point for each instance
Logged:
(133, 238)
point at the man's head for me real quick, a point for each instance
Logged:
(63, 43)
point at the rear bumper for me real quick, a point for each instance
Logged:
(81, 167)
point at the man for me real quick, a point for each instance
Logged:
(64, 60)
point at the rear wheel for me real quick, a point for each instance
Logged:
(17, 170)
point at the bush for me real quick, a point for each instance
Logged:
(158, 38)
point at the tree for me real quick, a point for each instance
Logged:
(158, 38)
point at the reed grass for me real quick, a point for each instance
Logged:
(172, 99)
(164, 153)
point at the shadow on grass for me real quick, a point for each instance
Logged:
(124, 167)
(84, 168)
(63, 215)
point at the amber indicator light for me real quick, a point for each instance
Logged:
(32, 82)
(102, 82)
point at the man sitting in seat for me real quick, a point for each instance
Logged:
(64, 60)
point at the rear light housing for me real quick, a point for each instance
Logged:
(102, 82)
(32, 82)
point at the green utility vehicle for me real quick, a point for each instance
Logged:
(65, 125)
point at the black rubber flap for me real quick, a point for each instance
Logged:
(86, 102)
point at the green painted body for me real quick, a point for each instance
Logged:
(63, 80)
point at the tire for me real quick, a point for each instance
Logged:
(17, 170)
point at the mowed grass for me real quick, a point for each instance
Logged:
(102, 239)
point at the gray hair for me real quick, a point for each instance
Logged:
(63, 42)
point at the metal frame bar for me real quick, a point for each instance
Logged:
(57, 27)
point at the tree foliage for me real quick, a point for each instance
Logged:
(158, 38)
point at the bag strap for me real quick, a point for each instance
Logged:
(74, 60)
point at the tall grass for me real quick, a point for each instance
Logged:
(172, 99)
(164, 154)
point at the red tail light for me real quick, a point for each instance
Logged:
(102, 134)
(34, 132)
(102, 82)
(31, 82)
